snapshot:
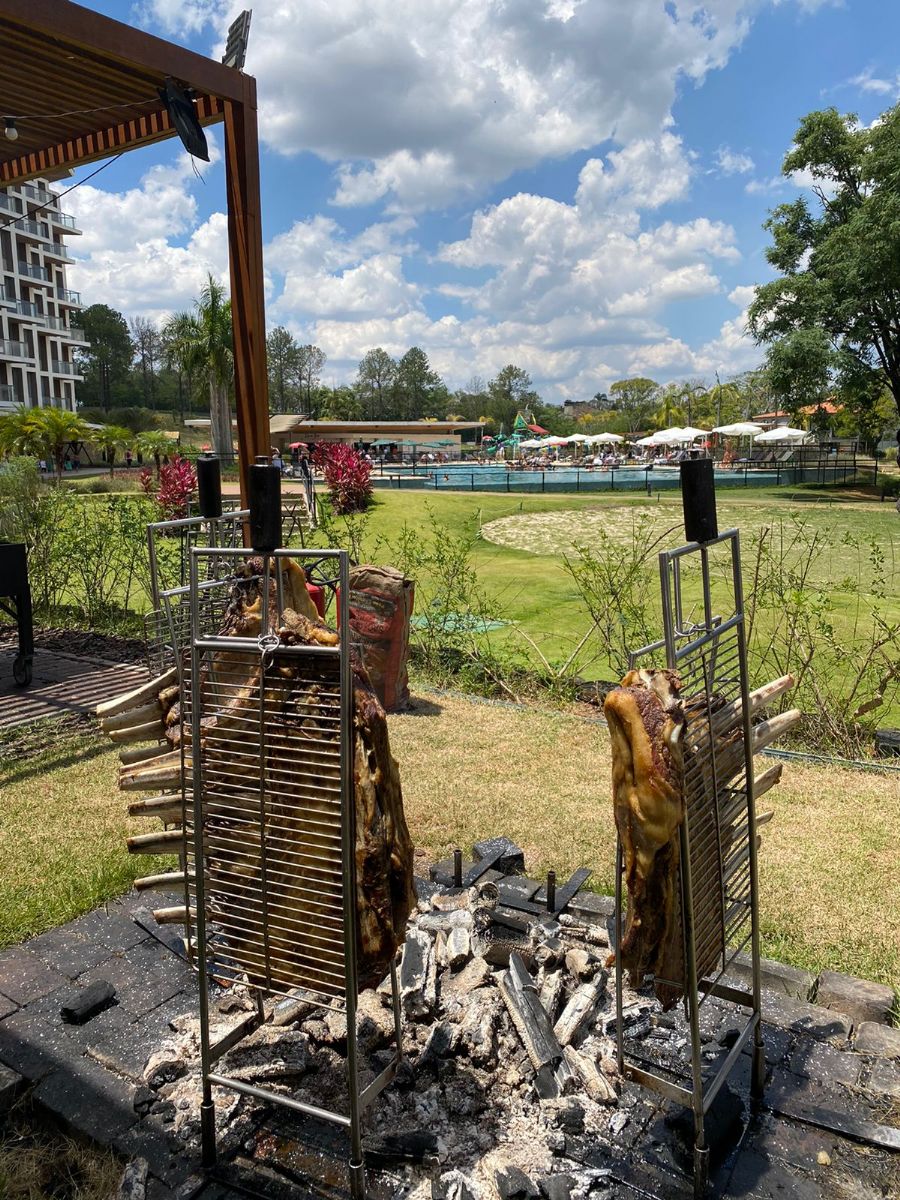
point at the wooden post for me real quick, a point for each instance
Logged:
(248, 313)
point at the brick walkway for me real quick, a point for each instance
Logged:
(61, 684)
(90, 1077)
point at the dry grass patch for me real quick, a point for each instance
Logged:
(40, 1164)
(830, 889)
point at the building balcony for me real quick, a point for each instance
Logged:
(8, 203)
(34, 271)
(68, 297)
(59, 325)
(32, 228)
(57, 250)
(37, 195)
(8, 397)
(65, 368)
(26, 311)
(14, 350)
(7, 296)
(64, 221)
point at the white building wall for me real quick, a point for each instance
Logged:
(39, 330)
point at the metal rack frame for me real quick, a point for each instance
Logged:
(254, 798)
(717, 891)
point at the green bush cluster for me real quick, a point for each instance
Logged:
(87, 554)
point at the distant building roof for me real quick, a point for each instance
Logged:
(827, 407)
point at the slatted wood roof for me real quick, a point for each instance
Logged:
(83, 86)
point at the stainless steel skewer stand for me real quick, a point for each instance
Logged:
(716, 896)
(270, 826)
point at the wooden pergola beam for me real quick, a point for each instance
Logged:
(82, 28)
(122, 67)
(102, 143)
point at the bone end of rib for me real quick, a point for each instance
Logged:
(767, 732)
(139, 696)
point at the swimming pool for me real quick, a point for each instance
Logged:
(464, 477)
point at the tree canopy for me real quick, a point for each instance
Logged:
(831, 320)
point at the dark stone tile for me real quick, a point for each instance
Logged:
(825, 1064)
(7, 1007)
(796, 1096)
(791, 1141)
(796, 1016)
(884, 1079)
(112, 928)
(66, 951)
(11, 1083)
(512, 857)
(153, 993)
(859, 1000)
(34, 1048)
(92, 1101)
(648, 1178)
(165, 1156)
(777, 1042)
(114, 1039)
(119, 931)
(24, 976)
(186, 1003)
(872, 1038)
(757, 1178)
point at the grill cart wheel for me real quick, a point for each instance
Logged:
(22, 670)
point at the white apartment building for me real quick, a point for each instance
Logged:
(39, 329)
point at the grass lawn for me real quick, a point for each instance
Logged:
(830, 890)
(521, 540)
(62, 830)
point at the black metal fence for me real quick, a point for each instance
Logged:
(824, 473)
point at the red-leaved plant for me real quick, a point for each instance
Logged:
(347, 476)
(177, 483)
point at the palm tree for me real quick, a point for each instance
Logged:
(155, 444)
(43, 431)
(110, 438)
(20, 433)
(201, 342)
(669, 411)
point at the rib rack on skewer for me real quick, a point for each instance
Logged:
(668, 746)
(288, 832)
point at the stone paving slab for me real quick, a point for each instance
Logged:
(62, 684)
(90, 1077)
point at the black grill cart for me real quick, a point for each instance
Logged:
(15, 601)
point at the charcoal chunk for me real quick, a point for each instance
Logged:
(87, 1002)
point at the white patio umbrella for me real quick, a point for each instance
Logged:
(556, 441)
(652, 439)
(602, 439)
(690, 432)
(672, 436)
(739, 429)
(785, 434)
(531, 444)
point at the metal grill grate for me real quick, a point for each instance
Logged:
(269, 813)
(716, 909)
(270, 807)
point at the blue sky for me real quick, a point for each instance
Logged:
(575, 186)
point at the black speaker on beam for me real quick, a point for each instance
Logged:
(209, 486)
(264, 488)
(698, 496)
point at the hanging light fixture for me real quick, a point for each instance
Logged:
(184, 117)
(11, 132)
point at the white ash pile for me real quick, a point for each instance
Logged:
(508, 1044)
